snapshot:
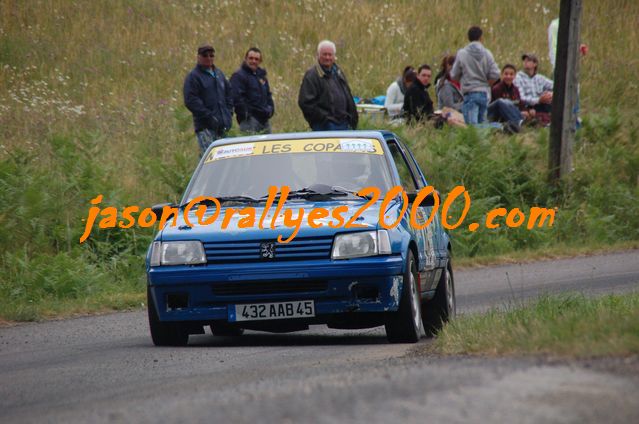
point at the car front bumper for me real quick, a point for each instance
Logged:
(206, 293)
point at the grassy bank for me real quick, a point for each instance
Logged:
(571, 326)
(43, 205)
(90, 103)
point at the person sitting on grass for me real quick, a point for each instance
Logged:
(447, 89)
(417, 104)
(395, 95)
(506, 105)
(535, 89)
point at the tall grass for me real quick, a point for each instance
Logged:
(41, 210)
(90, 102)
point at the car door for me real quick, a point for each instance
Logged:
(439, 237)
(412, 181)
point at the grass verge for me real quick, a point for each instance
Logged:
(70, 308)
(573, 326)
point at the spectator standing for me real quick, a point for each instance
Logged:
(476, 70)
(207, 94)
(395, 95)
(417, 104)
(252, 95)
(553, 30)
(325, 97)
(535, 89)
(447, 89)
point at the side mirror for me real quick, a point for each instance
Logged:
(428, 200)
(157, 209)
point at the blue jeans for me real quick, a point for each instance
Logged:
(502, 110)
(331, 126)
(474, 107)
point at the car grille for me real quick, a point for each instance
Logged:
(268, 287)
(251, 251)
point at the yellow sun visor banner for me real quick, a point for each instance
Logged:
(322, 145)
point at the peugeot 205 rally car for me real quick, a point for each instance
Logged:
(246, 260)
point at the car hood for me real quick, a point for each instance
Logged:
(367, 219)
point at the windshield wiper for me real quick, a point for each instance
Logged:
(243, 199)
(319, 190)
(307, 192)
(224, 199)
(339, 189)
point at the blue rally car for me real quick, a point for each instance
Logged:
(224, 267)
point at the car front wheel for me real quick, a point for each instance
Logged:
(441, 308)
(405, 325)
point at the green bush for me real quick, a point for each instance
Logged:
(43, 201)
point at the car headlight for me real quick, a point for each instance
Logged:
(177, 253)
(357, 245)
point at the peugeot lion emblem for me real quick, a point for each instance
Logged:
(267, 250)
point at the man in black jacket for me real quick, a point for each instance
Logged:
(207, 94)
(252, 95)
(325, 97)
(417, 103)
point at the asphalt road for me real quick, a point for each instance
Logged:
(105, 368)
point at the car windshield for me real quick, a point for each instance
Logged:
(249, 169)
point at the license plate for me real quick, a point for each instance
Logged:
(279, 310)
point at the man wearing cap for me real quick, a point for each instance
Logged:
(325, 97)
(535, 89)
(207, 94)
(252, 95)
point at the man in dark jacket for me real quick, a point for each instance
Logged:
(207, 94)
(325, 97)
(418, 105)
(252, 95)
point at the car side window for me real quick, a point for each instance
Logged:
(405, 176)
(412, 163)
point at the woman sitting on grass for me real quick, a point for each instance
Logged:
(448, 90)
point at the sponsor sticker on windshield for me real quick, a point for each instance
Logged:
(357, 145)
(232, 151)
(323, 145)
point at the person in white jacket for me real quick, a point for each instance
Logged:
(395, 95)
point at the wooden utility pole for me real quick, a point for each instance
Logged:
(563, 116)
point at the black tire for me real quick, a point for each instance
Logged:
(405, 325)
(223, 329)
(443, 306)
(165, 333)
